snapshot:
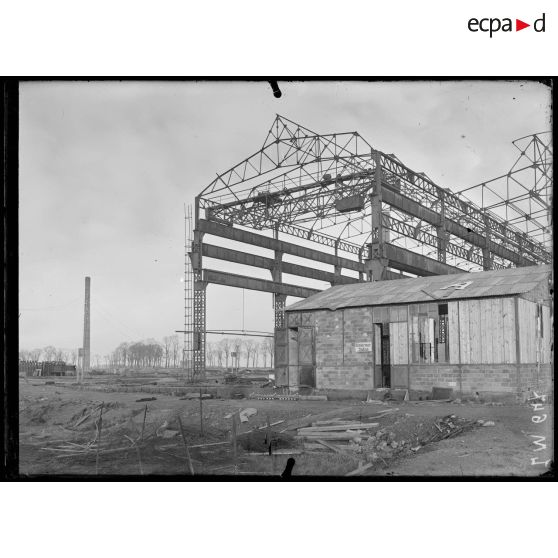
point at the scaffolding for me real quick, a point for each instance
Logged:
(188, 346)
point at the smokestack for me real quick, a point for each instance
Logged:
(87, 326)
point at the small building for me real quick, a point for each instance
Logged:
(488, 331)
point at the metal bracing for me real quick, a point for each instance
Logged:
(365, 211)
(521, 197)
(312, 174)
(188, 296)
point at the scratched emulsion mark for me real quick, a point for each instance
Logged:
(537, 402)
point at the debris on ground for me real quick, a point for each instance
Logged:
(146, 399)
(284, 397)
(377, 442)
(361, 469)
(61, 434)
(245, 414)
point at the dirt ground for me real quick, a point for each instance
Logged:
(59, 430)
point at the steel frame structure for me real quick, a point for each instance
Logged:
(372, 218)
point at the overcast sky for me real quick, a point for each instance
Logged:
(105, 169)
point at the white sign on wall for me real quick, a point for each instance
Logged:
(365, 347)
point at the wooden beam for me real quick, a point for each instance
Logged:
(244, 282)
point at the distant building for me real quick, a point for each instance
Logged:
(473, 332)
(47, 368)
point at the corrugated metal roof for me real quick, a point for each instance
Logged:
(505, 282)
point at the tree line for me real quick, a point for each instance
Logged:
(168, 353)
(236, 352)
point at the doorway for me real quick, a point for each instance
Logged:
(302, 369)
(382, 361)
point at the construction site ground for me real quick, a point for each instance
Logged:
(59, 427)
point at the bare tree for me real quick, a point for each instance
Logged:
(269, 349)
(175, 349)
(237, 348)
(60, 355)
(247, 345)
(35, 354)
(49, 352)
(167, 341)
(209, 354)
(226, 345)
(219, 353)
(255, 354)
(262, 350)
(251, 348)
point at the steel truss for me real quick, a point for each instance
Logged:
(371, 210)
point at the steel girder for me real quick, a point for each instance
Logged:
(294, 182)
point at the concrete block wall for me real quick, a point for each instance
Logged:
(493, 378)
(540, 380)
(424, 378)
(338, 365)
(496, 378)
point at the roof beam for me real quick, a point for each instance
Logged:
(405, 260)
(236, 256)
(216, 229)
(415, 209)
(244, 282)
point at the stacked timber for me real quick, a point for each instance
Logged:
(336, 430)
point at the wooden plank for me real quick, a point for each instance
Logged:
(521, 330)
(485, 331)
(508, 325)
(497, 311)
(474, 331)
(453, 332)
(532, 328)
(523, 333)
(392, 337)
(527, 330)
(331, 435)
(546, 334)
(360, 470)
(464, 334)
(186, 450)
(404, 350)
(339, 427)
(330, 446)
